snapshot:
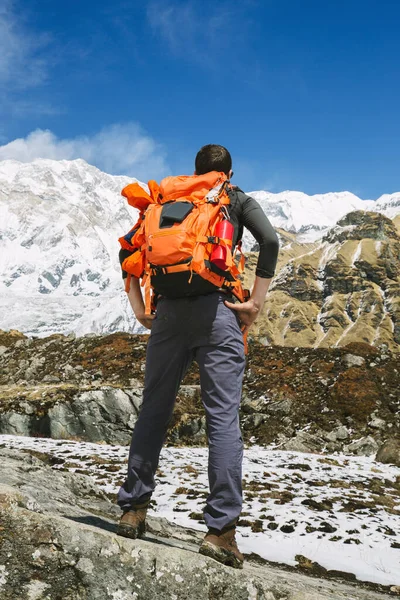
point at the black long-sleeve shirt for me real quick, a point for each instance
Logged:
(245, 211)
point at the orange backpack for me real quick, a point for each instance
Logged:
(175, 235)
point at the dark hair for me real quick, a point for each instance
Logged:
(213, 158)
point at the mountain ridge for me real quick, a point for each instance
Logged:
(80, 161)
(59, 228)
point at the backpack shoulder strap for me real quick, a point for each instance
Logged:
(234, 203)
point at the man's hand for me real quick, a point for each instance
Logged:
(247, 312)
(145, 320)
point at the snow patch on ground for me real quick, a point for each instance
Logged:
(321, 507)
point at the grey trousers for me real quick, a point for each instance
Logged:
(186, 329)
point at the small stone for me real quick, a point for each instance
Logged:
(351, 360)
(377, 423)
(69, 371)
(365, 446)
(389, 452)
(51, 379)
(327, 527)
(282, 406)
(27, 408)
(342, 433)
(257, 420)
(287, 528)
(395, 589)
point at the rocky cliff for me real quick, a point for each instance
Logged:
(342, 290)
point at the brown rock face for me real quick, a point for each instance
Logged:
(359, 225)
(355, 394)
(342, 290)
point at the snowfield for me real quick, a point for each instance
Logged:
(320, 507)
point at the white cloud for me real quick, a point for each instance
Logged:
(21, 64)
(120, 149)
(190, 31)
(24, 63)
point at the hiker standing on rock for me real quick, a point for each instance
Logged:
(181, 247)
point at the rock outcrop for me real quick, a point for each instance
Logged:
(316, 400)
(345, 289)
(58, 542)
(106, 414)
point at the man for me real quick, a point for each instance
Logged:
(207, 328)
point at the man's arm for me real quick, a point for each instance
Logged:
(254, 219)
(136, 301)
(135, 295)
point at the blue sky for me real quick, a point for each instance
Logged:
(304, 93)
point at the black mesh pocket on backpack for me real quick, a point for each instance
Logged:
(174, 212)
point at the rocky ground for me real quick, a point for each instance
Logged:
(314, 400)
(58, 542)
(339, 514)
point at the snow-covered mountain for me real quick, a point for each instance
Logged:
(311, 216)
(59, 228)
(60, 223)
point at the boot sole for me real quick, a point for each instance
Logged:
(131, 532)
(220, 555)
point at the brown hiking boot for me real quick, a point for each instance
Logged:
(222, 546)
(133, 522)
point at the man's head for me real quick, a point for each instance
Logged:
(213, 158)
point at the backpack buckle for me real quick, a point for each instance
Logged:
(213, 239)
